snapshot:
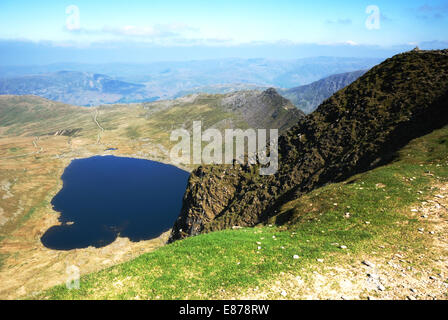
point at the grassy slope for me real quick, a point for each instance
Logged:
(229, 263)
(34, 116)
(30, 115)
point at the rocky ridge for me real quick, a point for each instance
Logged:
(358, 128)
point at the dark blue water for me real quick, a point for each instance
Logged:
(106, 197)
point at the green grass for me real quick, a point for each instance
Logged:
(199, 267)
(14, 150)
(132, 132)
(38, 116)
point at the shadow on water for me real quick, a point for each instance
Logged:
(106, 197)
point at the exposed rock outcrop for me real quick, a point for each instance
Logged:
(358, 128)
(263, 109)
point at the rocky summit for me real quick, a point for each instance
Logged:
(358, 128)
(262, 109)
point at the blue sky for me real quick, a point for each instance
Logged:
(230, 23)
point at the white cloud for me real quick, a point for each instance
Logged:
(351, 43)
(178, 34)
(169, 30)
(340, 21)
(159, 31)
(344, 43)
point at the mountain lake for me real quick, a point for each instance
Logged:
(104, 197)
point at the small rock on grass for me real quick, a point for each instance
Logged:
(343, 247)
(368, 263)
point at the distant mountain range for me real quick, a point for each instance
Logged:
(308, 97)
(88, 89)
(78, 88)
(167, 80)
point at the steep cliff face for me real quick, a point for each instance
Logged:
(358, 128)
